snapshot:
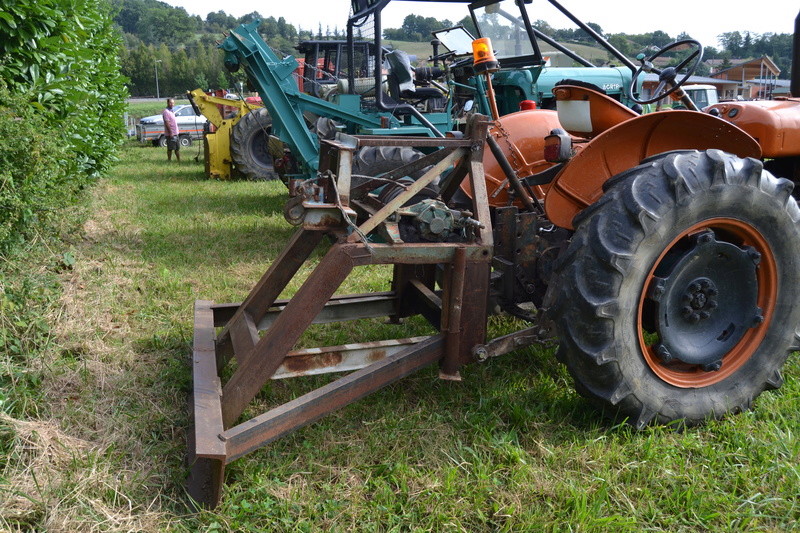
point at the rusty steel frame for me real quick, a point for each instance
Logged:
(259, 333)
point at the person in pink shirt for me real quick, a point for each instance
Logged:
(171, 131)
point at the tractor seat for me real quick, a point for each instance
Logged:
(401, 79)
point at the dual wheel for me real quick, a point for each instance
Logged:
(677, 299)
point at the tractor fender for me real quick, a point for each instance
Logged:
(626, 145)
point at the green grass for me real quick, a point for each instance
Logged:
(99, 442)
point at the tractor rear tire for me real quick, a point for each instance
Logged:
(249, 145)
(677, 299)
(376, 160)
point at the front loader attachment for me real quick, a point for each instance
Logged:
(445, 282)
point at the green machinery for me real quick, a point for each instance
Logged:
(423, 101)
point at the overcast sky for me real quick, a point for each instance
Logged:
(702, 19)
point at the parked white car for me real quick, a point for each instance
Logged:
(190, 126)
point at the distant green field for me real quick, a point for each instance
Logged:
(138, 110)
(422, 50)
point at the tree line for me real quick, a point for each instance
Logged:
(179, 48)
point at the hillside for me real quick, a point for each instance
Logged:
(180, 49)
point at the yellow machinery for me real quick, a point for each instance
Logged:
(237, 145)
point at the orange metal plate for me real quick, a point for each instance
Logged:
(775, 124)
(624, 146)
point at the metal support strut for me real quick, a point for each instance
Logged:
(261, 332)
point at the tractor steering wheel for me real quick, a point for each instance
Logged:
(667, 78)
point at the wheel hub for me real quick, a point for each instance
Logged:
(699, 300)
(705, 297)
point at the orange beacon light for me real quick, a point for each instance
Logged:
(484, 62)
(483, 59)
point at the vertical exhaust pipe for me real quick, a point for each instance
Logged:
(795, 86)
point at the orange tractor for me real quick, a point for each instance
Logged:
(657, 248)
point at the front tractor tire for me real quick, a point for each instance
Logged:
(677, 299)
(249, 138)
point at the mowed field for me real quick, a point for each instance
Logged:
(512, 447)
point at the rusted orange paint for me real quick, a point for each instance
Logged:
(306, 363)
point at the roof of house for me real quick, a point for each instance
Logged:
(749, 69)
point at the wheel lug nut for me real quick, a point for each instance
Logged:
(704, 314)
(705, 284)
(758, 318)
(712, 367)
(694, 317)
(712, 304)
(705, 237)
(663, 353)
(712, 291)
(694, 287)
(686, 311)
(753, 255)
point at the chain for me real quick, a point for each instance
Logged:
(511, 148)
(346, 217)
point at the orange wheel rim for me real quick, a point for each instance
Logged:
(694, 376)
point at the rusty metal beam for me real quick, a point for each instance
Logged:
(409, 301)
(261, 362)
(345, 358)
(282, 420)
(269, 287)
(451, 321)
(207, 390)
(206, 452)
(426, 302)
(244, 335)
(419, 253)
(474, 312)
(451, 183)
(480, 198)
(338, 309)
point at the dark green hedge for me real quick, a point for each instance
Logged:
(62, 98)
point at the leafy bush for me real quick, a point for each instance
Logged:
(35, 169)
(61, 105)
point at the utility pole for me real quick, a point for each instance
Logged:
(155, 65)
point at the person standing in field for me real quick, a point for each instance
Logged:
(171, 131)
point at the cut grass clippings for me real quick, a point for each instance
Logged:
(96, 438)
